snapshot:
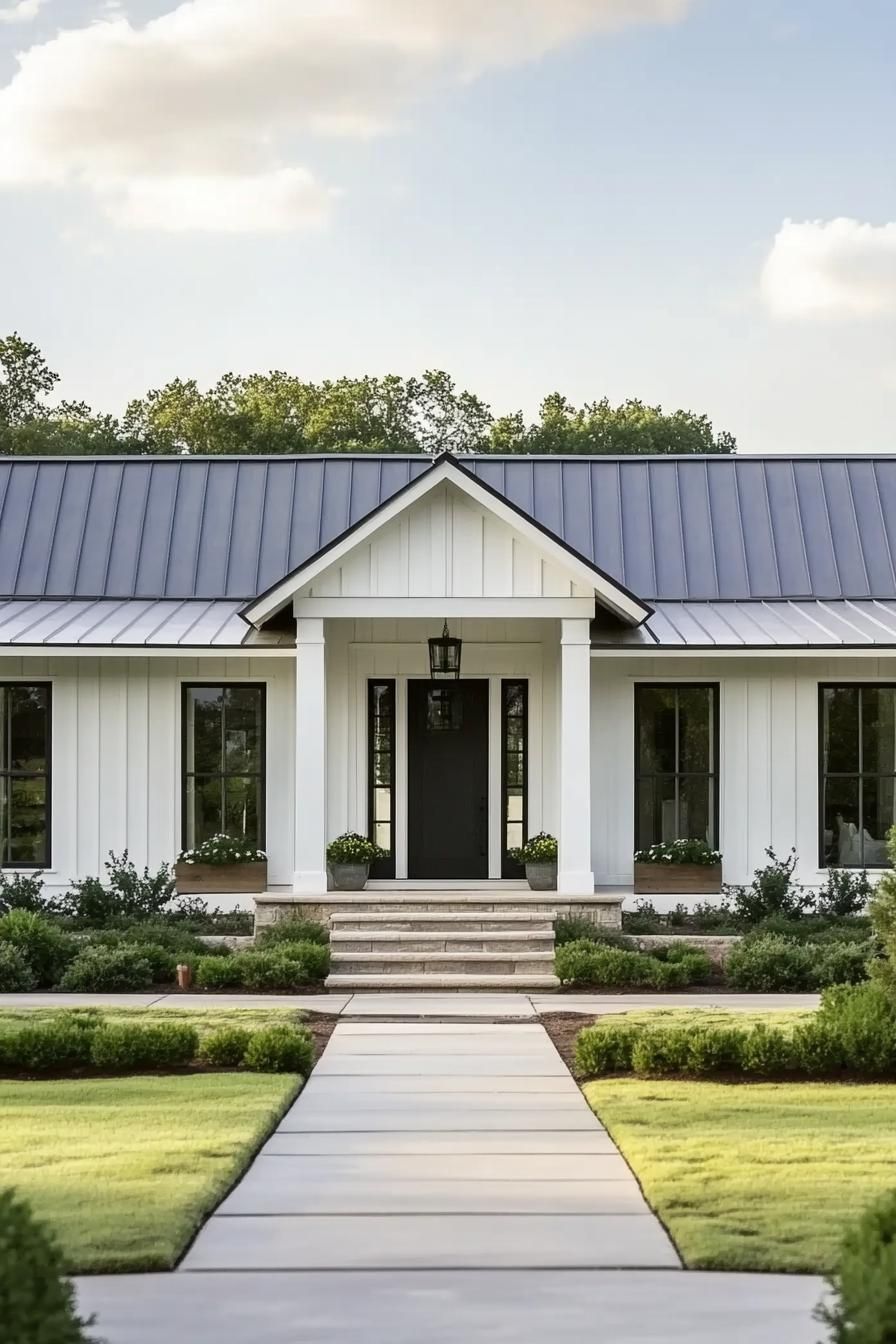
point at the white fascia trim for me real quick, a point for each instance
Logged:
(446, 608)
(745, 651)
(609, 594)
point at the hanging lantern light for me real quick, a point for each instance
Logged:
(444, 657)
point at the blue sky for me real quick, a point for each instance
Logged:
(555, 199)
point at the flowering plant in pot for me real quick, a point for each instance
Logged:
(350, 856)
(685, 867)
(539, 854)
(222, 863)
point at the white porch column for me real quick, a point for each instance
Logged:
(574, 876)
(310, 875)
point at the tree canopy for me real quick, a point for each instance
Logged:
(277, 412)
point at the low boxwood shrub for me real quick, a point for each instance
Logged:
(46, 948)
(843, 963)
(57, 1045)
(280, 1050)
(605, 1048)
(769, 962)
(125, 1047)
(661, 1050)
(862, 1018)
(224, 1048)
(292, 931)
(766, 1051)
(588, 963)
(16, 976)
(108, 970)
(714, 1050)
(162, 962)
(37, 1301)
(218, 972)
(289, 967)
(864, 1283)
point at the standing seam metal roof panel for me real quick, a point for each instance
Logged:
(668, 529)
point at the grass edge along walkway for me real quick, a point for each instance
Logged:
(753, 1176)
(125, 1170)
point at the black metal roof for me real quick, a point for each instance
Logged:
(668, 529)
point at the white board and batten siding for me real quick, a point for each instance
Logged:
(445, 545)
(116, 756)
(768, 755)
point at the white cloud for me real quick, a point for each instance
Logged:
(21, 12)
(838, 268)
(218, 91)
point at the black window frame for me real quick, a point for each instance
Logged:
(713, 773)
(46, 774)
(508, 867)
(857, 775)
(382, 868)
(262, 772)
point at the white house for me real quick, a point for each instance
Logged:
(651, 648)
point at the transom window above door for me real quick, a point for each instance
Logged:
(223, 762)
(676, 763)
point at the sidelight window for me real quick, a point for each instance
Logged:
(514, 771)
(381, 772)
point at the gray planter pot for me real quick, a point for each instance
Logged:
(542, 876)
(350, 876)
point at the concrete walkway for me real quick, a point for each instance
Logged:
(415, 1005)
(447, 1183)
(415, 1146)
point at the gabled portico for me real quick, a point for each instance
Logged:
(446, 548)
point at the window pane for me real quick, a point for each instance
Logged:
(514, 839)
(382, 804)
(841, 729)
(382, 835)
(514, 805)
(696, 810)
(656, 724)
(243, 727)
(878, 730)
(242, 807)
(656, 810)
(515, 772)
(841, 841)
(23, 820)
(204, 709)
(513, 700)
(695, 731)
(28, 737)
(202, 808)
(877, 817)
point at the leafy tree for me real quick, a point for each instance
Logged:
(25, 379)
(277, 412)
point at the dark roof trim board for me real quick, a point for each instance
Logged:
(445, 467)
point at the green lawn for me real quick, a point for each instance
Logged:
(203, 1019)
(126, 1169)
(761, 1176)
(710, 1017)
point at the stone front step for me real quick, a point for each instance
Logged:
(378, 939)
(424, 921)
(442, 963)
(429, 981)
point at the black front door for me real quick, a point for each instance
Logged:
(448, 779)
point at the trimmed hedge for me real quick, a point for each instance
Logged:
(45, 947)
(280, 1050)
(864, 1283)
(225, 1048)
(58, 1045)
(37, 1301)
(287, 967)
(292, 931)
(16, 976)
(772, 962)
(108, 970)
(853, 1034)
(584, 962)
(125, 1047)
